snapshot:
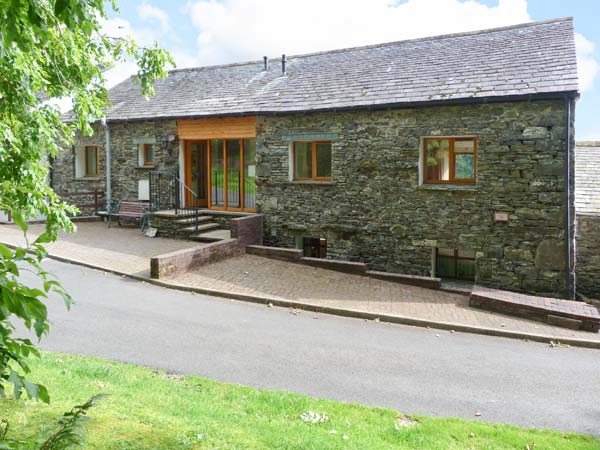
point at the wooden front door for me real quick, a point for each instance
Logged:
(196, 173)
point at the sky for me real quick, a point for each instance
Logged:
(208, 32)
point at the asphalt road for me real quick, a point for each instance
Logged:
(410, 369)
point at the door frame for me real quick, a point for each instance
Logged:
(209, 169)
(202, 202)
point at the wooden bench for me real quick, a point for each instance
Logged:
(129, 210)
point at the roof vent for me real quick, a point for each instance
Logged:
(283, 65)
(266, 63)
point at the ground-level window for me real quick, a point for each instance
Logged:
(148, 154)
(449, 160)
(455, 263)
(312, 161)
(314, 247)
(91, 161)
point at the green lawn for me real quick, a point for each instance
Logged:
(146, 409)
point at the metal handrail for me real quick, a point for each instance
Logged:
(194, 208)
(179, 187)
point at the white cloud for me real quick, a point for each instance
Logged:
(587, 66)
(153, 14)
(238, 30)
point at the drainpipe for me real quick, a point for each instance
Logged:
(108, 163)
(570, 290)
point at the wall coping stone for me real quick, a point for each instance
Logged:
(414, 280)
(286, 254)
(332, 264)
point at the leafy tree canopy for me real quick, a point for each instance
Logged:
(49, 49)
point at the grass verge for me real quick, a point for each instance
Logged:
(148, 409)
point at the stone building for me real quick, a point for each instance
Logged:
(447, 156)
(587, 208)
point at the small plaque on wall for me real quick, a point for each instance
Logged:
(501, 216)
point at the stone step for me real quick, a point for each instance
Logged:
(202, 227)
(211, 236)
(191, 220)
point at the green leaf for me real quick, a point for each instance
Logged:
(5, 251)
(18, 219)
(43, 238)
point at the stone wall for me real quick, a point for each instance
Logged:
(375, 211)
(588, 255)
(125, 141)
(245, 231)
(63, 178)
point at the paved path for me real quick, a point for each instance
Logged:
(414, 370)
(270, 278)
(127, 250)
(122, 249)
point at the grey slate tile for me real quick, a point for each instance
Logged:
(532, 58)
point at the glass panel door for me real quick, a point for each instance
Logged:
(234, 185)
(249, 173)
(197, 179)
(217, 172)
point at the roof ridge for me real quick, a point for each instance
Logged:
(384, 44)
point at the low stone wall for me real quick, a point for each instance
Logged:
(561, 313)
(244, 231)
(295, 256)
(588, 255)
(283, 254)
(247, 230)
(183, 260)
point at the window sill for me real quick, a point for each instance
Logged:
(312, 183)
(153, 166)
(449, 187)
(88, 178)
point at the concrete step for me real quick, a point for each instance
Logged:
(211, 236)
(202, 227)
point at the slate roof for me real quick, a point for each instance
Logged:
(587, 178)
(528, 59)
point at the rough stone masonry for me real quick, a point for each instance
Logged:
(375, 210)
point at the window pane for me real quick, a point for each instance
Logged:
(91, 167)
(217, 178)
(465, 269)
(445, 266)
(249, 173)
(233, 173)
(437, 160)
(303, 160)
(446, 251)
(465, 166)
(324, 160)
(464, 146)
(149, 154)
(315, 247)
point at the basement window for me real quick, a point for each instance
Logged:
(314, 247)
(455, 263)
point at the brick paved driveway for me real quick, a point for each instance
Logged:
(127, 250)
(263, 277)
(122, 249)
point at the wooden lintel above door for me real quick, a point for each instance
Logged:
(219, 127)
